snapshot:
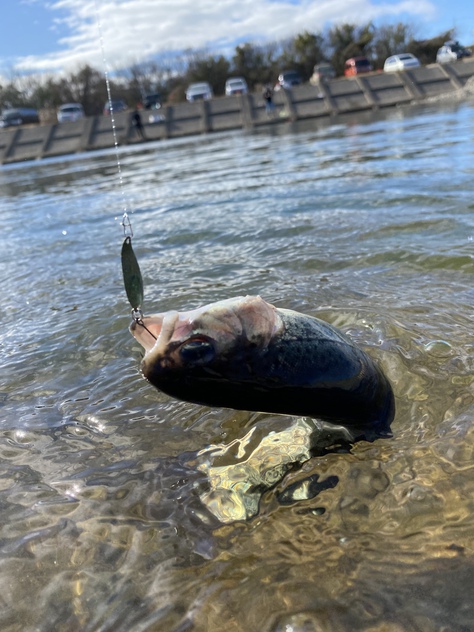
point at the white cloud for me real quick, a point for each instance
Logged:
(134, 30)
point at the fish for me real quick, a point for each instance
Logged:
(246, 354)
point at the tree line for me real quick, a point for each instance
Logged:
(169, 75)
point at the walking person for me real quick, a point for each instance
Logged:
(268, 98)
(137, 123)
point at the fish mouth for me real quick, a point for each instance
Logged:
(154, 332)
(249, 317)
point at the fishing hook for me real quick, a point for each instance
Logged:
(137, 316)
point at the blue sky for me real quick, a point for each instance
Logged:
(48, 36)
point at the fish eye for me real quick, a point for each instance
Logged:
(197, 350)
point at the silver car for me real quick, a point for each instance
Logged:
(322, 72)
(396, 63)
(199, 92)
(288, 79)
(70, 112)
(235, 85)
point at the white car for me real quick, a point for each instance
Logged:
(396, 63)
(70, 112)
(451, 51)
(235, 85)
(199, 92)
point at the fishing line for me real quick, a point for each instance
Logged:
(132, 276)
(112, 115)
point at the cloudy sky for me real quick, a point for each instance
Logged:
(53, 35)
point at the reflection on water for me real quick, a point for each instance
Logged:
(239, 472)
(125, 510)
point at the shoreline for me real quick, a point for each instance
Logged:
(344, 95)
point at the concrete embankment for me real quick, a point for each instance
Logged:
(340, 96)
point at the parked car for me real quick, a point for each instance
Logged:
(322, 71)
(199, 92)
(70, 112)
(235, 85)
(18, 116)
(288, 79)
(451, 51)
(118, 105)
(152, 101)
(357, 66)
(400, 62)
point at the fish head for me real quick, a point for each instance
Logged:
(191, 355)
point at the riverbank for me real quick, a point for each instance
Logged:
(340, 96)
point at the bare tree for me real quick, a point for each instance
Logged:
(257, 64)
(349, 40)
(302, 53)
(390, 40)
(169, 73)
(426, 50)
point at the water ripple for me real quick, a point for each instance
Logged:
(102, 477)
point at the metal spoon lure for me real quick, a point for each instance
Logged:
(132, 277)
(133, 280)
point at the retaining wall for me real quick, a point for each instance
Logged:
(371, 91)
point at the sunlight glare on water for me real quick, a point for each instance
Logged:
(123, 509)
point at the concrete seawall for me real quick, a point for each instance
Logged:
(340, 96)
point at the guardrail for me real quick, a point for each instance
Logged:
(339, 96)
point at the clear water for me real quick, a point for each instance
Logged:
(368, 224)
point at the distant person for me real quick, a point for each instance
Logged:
(268, 98)
(137, 123)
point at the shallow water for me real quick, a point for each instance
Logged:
(367, 224)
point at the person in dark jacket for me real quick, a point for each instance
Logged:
(268, 98)
(137, 123)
